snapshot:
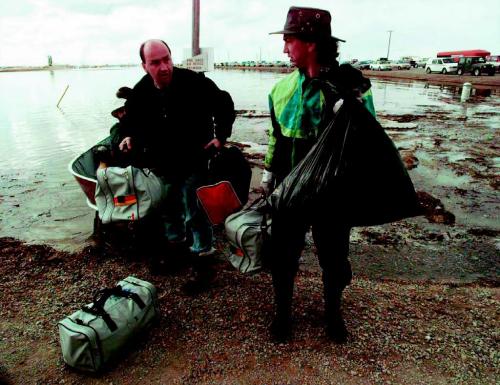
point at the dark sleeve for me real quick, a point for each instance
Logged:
(222, 109)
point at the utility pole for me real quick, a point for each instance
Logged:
(196, 28)
(389, 44)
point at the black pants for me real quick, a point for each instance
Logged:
(332, 243)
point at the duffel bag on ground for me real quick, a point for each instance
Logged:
(127, 194)
(249, 232)
(91, 336)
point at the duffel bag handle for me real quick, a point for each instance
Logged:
(97, 307)
(103, 295)
(262, 205)
(105, 316)
(266, 215)
(133, 296)
(101, 313)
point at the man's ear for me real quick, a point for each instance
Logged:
(144, 67)
(311, 47)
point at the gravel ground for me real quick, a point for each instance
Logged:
(401, 333)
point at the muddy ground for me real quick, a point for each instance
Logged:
(422, 308)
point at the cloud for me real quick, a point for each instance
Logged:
(97, 32)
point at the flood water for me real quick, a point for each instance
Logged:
(40, 202)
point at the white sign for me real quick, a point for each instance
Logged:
(201, 63)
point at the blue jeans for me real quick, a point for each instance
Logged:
(182, 214)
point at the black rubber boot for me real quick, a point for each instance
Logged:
(202, 278)
(281, 327)
(199, 282)
(336, 330)
(171, 258)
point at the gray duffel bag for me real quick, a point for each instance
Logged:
(127, 194)
(248, 232)
(91, 336)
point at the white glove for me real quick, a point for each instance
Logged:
(267, 182)
(337, 105)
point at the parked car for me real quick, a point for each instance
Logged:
(494, 60)
(422, 62)
(444, 65)
(411, 60)
(363, 64)
(400, 65)
(476, 65)
(250, 63)
(381, 65)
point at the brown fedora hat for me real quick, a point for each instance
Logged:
(309, 22)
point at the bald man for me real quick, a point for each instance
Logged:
(175, 118)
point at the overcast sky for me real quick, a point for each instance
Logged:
(110, 31)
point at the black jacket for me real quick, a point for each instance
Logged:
(170, 127)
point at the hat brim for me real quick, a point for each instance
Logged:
(288, 32)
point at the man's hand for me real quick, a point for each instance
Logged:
(126, 144)
(213, 143)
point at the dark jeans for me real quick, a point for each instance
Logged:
(182, 213)
(332, 243)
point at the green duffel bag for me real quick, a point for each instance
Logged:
(91, 336)
(127, 194)
(249, 231)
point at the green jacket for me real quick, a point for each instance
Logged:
(300, 107)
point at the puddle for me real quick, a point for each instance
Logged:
(442, 177)
(455, 157)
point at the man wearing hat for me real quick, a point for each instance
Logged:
(301, 106)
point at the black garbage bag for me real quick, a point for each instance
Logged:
(353, 171)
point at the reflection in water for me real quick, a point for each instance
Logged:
(481, 91)
(464, 110)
